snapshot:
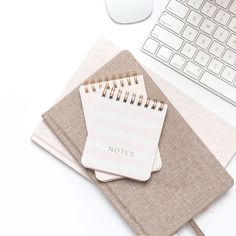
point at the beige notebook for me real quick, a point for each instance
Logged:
(191, 178)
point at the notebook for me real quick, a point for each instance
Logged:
(191, 178)
(195, 114)
(124, 133)
(88, 93)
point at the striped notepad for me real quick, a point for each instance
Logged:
(124, 128)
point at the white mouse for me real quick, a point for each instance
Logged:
(129, 11)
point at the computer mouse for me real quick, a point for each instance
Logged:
(129, 11)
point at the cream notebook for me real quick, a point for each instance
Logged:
(192, 111)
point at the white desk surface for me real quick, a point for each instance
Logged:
(41, 45)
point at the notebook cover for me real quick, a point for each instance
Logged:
(191, 177)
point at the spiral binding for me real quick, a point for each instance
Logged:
(134, 98)
(90, 85)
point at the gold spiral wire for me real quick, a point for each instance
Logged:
(110, 82)
(148, 102)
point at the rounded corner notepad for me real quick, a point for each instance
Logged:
(126, 129)
(89, 93)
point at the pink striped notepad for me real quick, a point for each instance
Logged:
(124, 132)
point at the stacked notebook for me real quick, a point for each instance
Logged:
(190, 177)
(119, 145)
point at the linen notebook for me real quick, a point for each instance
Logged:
(191, 178)
(124, 134)
(90, 93)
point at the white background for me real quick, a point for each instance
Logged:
(41, 45)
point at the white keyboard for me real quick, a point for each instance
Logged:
(198, 39)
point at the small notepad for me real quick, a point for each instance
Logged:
(89, 93)
(125, 134)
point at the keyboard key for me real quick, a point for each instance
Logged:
(232, 41)
(203, 41)
(232, 24)
(223, 3)
(221, 34)
(192, 70)
(164, 53)
(216, 49)
(207, 26)
(228, 74)
(190, 33)
(222, 17)
(177, 8)
(215, 66)
(151, 45)
(219, 86)
(188, 50)
(208, 9)
(194, 18)
(202, 58)
(171, 22)
(229, 57)
(233, 7)
(177, 61)
(195, 3)
(167, 37)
